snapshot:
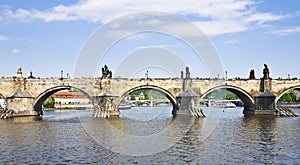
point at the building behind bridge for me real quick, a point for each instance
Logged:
(70, 99)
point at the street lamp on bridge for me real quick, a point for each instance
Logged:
(147, 75)
(61, 75)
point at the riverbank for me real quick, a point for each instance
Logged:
(66, 108)
(289, 105)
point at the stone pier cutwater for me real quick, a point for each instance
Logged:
(286, 112)
(188, 100)
(104, 106)
(188, 104)
(5, 113)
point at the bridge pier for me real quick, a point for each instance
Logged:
(188, 103)
(265, 104)
(21, 103)
(105, 106)
(264, 101)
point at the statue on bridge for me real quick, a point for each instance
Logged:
(19, 72)
(106, 73)
(266, 72)
(187, 73)
(252, 75)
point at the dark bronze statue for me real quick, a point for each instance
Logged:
(106, 73)
(187, 73)
(266, 72)
(252, 75)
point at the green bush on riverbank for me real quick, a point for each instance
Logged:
(65, 108)
(289, 97)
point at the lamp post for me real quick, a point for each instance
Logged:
(147, 74)
(61, 74)
(225, 75)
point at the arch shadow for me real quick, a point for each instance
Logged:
(38, 102)
(245, 97)
(152, 87)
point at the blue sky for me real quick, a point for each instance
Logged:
(47, 36)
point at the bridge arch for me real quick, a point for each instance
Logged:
(245, 97)
(37, 105)
(285, 91)
(169, 95)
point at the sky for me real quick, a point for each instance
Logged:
(46, 37)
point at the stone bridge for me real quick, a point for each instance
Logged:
(26, 95)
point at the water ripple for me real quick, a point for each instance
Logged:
(61, 139)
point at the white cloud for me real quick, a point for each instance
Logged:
(261, 18)
(219, 27)
(287, 31)
(3, 38)
(214, 17)
(15, 51)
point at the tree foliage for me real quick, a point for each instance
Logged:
(221, 95)
(231, 96)
(49, 102)
(293, 96)
(286, 98)
(289, 97)
(132, 97)
(148, 94)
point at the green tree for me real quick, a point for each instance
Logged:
(146, 94)
(49, 102)
(132, 97)
(231, 96)
(221, 94)
(286, 98)
(293, 96)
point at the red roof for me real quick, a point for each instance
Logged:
(69, 95)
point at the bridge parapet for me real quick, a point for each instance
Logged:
(279, 87)
(203, 87)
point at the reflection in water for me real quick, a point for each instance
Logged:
(139, 137)
(61, 138)
(261, 131)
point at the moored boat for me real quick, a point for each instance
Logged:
(124, 106)
(230, 105)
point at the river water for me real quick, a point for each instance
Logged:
(146, 135)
